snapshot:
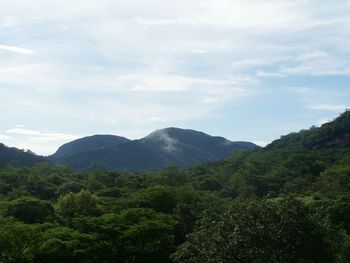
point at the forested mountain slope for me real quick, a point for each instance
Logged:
(331, 135)
(311, 160)
(13, 155)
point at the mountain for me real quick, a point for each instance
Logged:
(166, 146)
(317, 159)
(90, 143)
(332, 135)
(13, 155)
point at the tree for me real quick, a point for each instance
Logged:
(340, 213)
(138, 235)
(30, 210)
(82, 203)
(62, 244)
(18, 242)
(258, 231)
(159, 198)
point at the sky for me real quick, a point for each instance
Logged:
(247, 70)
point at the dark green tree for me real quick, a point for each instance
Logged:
(30, 210)
(18, 242)
(258, 231)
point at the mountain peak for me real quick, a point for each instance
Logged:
(163, 138)
(181, 147)
(90, 143)
(180, 134)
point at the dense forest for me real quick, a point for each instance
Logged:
(287, 202)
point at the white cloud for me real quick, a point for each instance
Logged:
(168, 143)
(318, 63)
(19, 50)
(261, 143)
(41, 135)
(23, 131)
(321, 99)
(41, 77)
(4, 137)
(40, 141)
(264, 74)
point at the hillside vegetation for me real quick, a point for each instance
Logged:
(287, 202)
(13, 155)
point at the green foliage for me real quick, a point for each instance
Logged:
(74, 204)
(258, 231)
(160, 198)
(30, 210)
(336, 179)
(148, 217)
(143, 234)
(340, 212)
(18, 242)
(62, 244)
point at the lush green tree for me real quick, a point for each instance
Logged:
(82, 203)
(335, 181)
(172, 176)
(70, 187)
(159, 198)
(62, 244)
(258, 231)
(340, 212)
(146, 236)
(30, 210)
(18, 241)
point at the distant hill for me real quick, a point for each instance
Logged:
(13, 155)
(166, 146)
(95, 142)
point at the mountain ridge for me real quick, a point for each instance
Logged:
(90, 142)
(14, 155)
(332, 134)
(181, 147)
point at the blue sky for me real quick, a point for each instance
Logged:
(246, 70)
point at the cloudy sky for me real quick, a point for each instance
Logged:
(244, 69)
